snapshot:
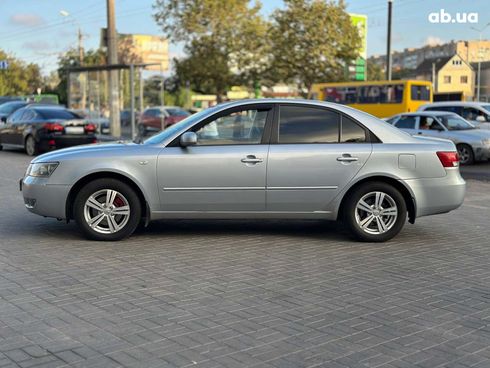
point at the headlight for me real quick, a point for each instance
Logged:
(42, 169)
(486, 141)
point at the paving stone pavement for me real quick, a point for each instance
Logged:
(243, 294)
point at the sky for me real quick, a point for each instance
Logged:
(34, 30)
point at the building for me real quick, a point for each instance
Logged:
(484, 80)
(410, 58)
(448, 74)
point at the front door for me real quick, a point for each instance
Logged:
(317, 152)
(225, 171)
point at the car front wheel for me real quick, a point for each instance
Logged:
(466, 156)
(375, 212)
(107, 209)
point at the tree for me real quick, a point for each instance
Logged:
(225, 40)
(374, 71)
(19, 78)
(312, 41)
(71, 59)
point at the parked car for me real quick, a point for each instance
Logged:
(154, 119)
(267, 159)
(101, 123)
(4, 99)
(126, 117)
(39, 128)
(8, 108)
(472, 144)
(477, 113)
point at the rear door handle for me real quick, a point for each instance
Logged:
(251, 159)
(347, 158)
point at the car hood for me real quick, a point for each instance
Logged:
(98, 148)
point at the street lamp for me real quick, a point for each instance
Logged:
(67, 14)
(479, 30)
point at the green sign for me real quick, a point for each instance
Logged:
(358, 72)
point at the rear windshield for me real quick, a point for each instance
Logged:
(57, 114)
(9, 108)
(177, 112)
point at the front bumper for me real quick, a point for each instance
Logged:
(482, 153)
(438, 195)
(44, 199)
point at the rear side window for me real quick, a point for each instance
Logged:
(298, 124)
(351, 132)
(406, 122)
(57, 114)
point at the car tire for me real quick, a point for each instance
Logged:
(374, 199)
(100, 218)
(466, 155)
(31, 147)
(141, 130)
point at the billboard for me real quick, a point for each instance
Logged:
(358, 70)
(141, 49)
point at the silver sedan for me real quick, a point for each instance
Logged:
(473, 144)
(253, 159)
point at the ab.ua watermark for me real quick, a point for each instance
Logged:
(443, 17)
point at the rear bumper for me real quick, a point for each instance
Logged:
(64, 141)
(44, 199)
(438, 195)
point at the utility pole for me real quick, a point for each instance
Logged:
(80, 46)
(114, 118)
(388, 42)
(480, 31)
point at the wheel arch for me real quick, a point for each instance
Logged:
(402, 188)
(105, 175)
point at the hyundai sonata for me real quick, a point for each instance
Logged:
(253, 159)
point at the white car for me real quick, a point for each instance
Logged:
(478, 113)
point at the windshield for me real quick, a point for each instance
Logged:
(182, 125)
(452, 122)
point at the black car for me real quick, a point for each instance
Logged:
(39, 128)
(8, 108)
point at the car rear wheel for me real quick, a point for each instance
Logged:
(375, 212)
(466, 156)
(31, 146)
(107, 209)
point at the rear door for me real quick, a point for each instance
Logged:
(315, 153)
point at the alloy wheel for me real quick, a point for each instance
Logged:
(30, 146)
(107, 211)
(376, 213)
(464, 154)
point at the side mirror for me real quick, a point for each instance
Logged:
(188, 139)
(480, 119)
(3, 119)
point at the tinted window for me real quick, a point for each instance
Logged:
(406, 122)
(470, 113)
(351, 131)
(240, 127)
(420, 93)
(177, 112)
(16, 115)
(57, 114)
(9, 108)
(28, 115)
(308, 125)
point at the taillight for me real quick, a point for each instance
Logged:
(53, 127)
(90, 128)
(449, 159)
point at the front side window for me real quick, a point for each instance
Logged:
(406, 122)
(452, 122)
(240, 127)
(298, 124)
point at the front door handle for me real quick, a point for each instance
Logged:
(251, 159)
(347, 158)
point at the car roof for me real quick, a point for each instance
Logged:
(456, 103)
(427, 113)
